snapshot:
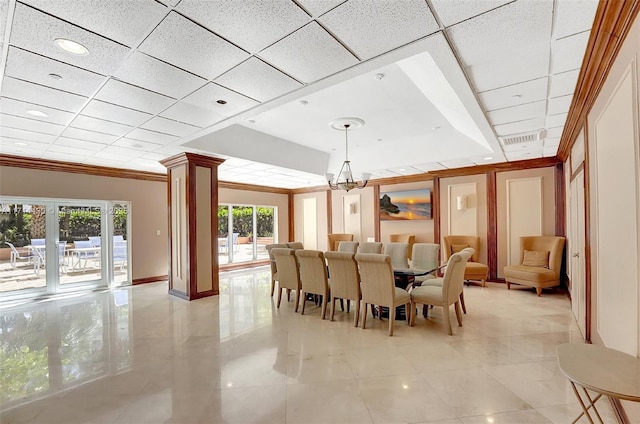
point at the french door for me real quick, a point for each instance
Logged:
(51, 246)
(244, 231)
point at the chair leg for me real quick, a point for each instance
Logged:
(508, 285)
(425, 311)
(342, 305)
(539, 291)
(289, 297)
(324, 306)
(392, 318)
(273, 286)
(484, 282)
(279, 296)
(412, 319)
(297, 298)
(447, 319)
(408, 311)
(348, 304)
(464, 308)
(304, 302)
(333, 308)
(364, 317)
(458, 313)
(355, 321)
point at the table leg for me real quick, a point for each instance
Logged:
(592, 403)
(585, 410)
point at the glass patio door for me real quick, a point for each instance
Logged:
(244, 231)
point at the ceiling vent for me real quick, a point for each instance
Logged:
(528, 137)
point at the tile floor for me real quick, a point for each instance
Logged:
(137, 355)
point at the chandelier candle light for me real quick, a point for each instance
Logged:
(344, 180)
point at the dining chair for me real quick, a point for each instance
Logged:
(288, 273)
(370, 247)
(344, 280)
(313, 277)
(404, 238)
(348, 246)
(295, 245)
(333, 240)
(16, 255)
(398, 253)
(86, 254)
(438, 283)
(120, 253)
(446, 294)
(425, 257)
(95, 241)
(272, 262)
(41, 255)
(378, 286)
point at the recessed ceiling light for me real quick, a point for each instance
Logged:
(402, 169)
(251, 121)
(488, 158)
(435, 128)
(304, 102)
(55, 76)
(379, 76)
(517, 96)
(21, 143)
(71, 46)
(379, 139)
(38, 113)
(137, 146)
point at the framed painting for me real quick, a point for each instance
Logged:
(405, 205)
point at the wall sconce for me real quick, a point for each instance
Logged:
(461, 203)
(352, 208)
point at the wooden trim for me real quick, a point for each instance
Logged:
(215, 266)
(492, 224)
(252, 187)
(587, 237)
(575, 174)
(146, 280)
(292, 227)
(436, 210)
(376, 212)
(169, 183)
(196, 159)
(612, 23)
(78, 168)
(497, 167)
(618, 410)
(192, 246)
(329, 213)
(243, 265)
(560, 200)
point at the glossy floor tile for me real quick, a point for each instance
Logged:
(137, 355)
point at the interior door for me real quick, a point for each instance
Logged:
(576, 251)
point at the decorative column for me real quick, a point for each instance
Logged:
(192, 183)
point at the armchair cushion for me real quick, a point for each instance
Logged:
(534, 274)
(455, 248)
(537, 258)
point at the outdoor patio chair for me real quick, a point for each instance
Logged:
(16, 255)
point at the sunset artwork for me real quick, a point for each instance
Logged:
(405, 205)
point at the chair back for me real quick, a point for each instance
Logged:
(117, 239)
(82, 244)
(404, 238)
(370, 247)
(288, 274)
(343, 275)
(295, 245)
(348, 246)
(377, 282)
(454, 244)
(37, 242)
(453, 280)
(313, 271)
(272, 259)
(95, 241)
(425, 256)
(13, 248)
(120, 251)
(398, 253)
(552, 244)
(335, 239)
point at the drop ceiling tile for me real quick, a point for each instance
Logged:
(431, 166)
(154, 156)
(318, 7)
(4, 11)
(568, 52)
(564, 83)
(169, 126)
(124, 21)
(383, 173)
(572, 17)
(69, 150)
(516, 156)
(79, 144)
(518, 113)
(554, 132)
(503, 70)
(193, 115)
(127, 95)
(89, 135)
(453, 12)
(25, 145)
(559, 105)
(114, 161)
(151, 136)
(555, 120)
(456, 163)
(516, 94)
(20, 151)
(100, 125)
(136, 144)
(524, 147)
(519, 127)
(35, 31)
(552, 142)
(35, 68)
(64, 157)
(118, 153)
(18, 108)
(18, 122)
(153, 74)
(309, 54)
(41, 95)
(250, 24)
(257, 80)
(550, 151)
(207, 97)
(371, 28)
(27, 135)
(179, 41)
(146, 165)
(123, 115)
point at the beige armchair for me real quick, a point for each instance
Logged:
(410, 239)
(474, 270)
(335, 239)
(540, 263)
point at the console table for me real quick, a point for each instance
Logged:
(602, 370)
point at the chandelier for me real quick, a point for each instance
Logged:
(344, 180)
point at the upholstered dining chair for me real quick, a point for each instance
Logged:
(398, 253)
(335, 239)
(378, 287)
(447, 294)
(295, 245)
(313, 277)
(344, 279)
(438, 283)
(348, 246)
(288, 273)
(272, 262)
(370, 247)
(474, 271)
(425, 258)
(404, 238)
